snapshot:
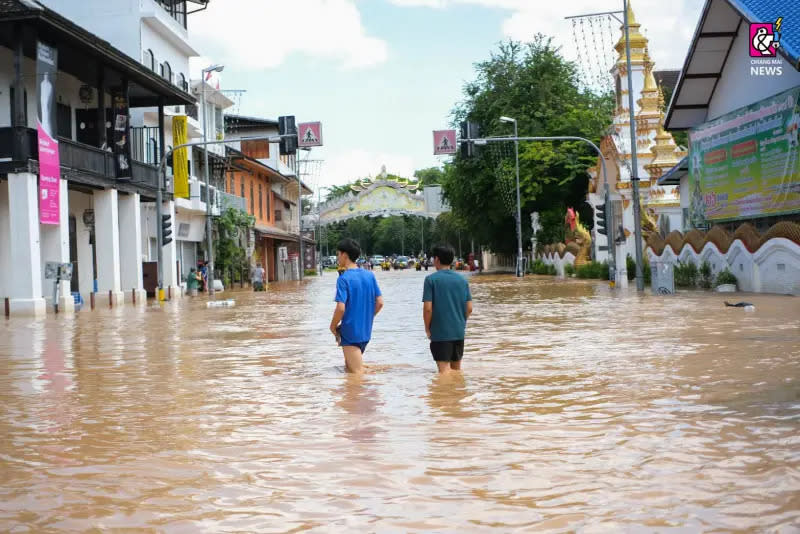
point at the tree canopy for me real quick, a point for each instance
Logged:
(534, 84)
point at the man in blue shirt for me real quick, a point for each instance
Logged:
(358, 301)
(447, 304)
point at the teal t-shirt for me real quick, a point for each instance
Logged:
(449, 293)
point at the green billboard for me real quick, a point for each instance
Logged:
(746, 164)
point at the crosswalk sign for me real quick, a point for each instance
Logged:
(444, 142)
(309, 134)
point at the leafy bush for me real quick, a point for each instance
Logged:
(630, 265)
(706, 277)
(647, 273)
(686, 274)
(540, 267)
(727, 277)
(310, 272)
(551, 270)
(593, 270)
(569, 269)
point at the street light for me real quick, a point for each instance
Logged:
(519, 209)
(209, 240)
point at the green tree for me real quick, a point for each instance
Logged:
(429, 176)
(229, 253)
(533, 83)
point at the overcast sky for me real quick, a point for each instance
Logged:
(382, 74)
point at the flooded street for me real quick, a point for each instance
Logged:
(578, 409)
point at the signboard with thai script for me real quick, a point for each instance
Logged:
(309, 134)
(49, 162)
(444, 142)
(746, 164)
(180, 157)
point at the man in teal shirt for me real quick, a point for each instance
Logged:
(447, 304)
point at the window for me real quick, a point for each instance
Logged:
(268, 195)
(64, 121)
(166, 71)
(232, 189)
(184, 84)
(149, 59)
(252, 199)
(260, 203)
(277, 215)
(242, 187)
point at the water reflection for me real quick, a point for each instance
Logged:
(578, 409)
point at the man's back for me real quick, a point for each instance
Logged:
(449, 293)
(357, 289)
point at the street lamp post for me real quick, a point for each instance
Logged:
(637, 221)
(519, 208)
(209, 240)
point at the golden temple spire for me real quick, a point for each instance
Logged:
(638, 41)
(649, 102)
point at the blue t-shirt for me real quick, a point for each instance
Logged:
(357, 289)
(449, 293)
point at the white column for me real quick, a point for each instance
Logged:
(5, 243)
(171, 283)
(130, 248)
(106, 230)
(55, 247)
(25, 290)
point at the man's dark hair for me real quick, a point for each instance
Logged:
(445, 253)
(349, 247)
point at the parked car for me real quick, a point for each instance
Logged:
(401, 262)
(377, 259)
(329, 261)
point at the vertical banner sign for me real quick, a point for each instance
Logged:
(49, 165)
(309, 134)
(180, 163)
(444, 142)
(122, 144)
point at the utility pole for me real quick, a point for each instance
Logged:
(519, 207)
(637, 220)
(209, 237)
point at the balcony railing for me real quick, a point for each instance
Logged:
(226, 200)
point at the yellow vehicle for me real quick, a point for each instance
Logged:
(386, 265)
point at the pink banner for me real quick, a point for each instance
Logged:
(49, 179)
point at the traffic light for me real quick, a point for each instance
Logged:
(287, 126)
(166, 229)
(602, 219)
(469, 130)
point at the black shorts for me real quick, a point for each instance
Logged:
(447, 351)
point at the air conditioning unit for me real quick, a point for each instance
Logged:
(283, 254)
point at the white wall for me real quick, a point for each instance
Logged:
(116, 21)
(738, 88)
(164, 51)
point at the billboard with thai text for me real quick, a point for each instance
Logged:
(746, 164)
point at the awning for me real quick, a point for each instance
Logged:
(674, 175)
(715, 35)
(282, 235)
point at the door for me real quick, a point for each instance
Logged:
(150, 277)
(73, 253)
(86, 122)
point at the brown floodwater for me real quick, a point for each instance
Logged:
(578, 409)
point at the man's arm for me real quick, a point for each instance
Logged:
(338, 313)
(427, 316)
(469, 309)
(378, 304)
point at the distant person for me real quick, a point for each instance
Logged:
(204, 276)
(192, 282)
(258, 278)
(358, 301)
(447, 304)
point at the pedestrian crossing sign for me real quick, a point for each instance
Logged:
(444, 142)
(309, 134)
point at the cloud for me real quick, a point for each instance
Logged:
(668, 25)
(262, 34)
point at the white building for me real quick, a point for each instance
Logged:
(101, 229)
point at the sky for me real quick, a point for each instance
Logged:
(382, 74)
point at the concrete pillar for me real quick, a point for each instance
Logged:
(106, 229)
(130, 248)
(171, 277)
(25, 290)
(622, 266)
(55, 247)
(83, 235)
(5, 242)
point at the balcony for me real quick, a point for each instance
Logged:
(226, 200)
(87, 164)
